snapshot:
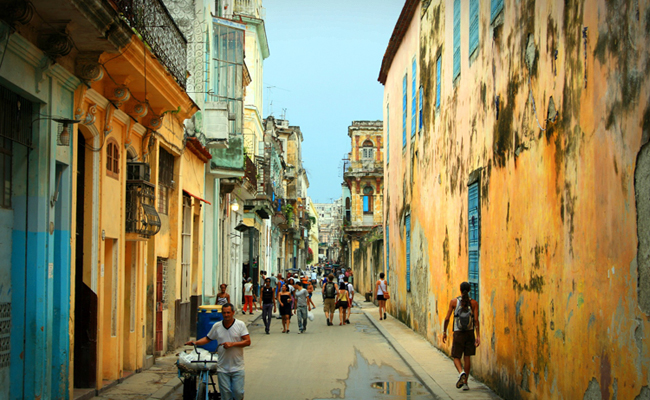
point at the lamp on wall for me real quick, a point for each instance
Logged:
(234, 205)
(63, 138)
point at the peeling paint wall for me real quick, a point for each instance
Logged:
(549, 115)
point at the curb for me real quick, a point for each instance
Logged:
(419, 372)
(171, 386)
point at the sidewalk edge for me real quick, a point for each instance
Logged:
(419, 372)
(168, 388)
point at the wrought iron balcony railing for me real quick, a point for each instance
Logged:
(141, 215)
(152, 21)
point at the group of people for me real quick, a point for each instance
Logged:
(293, 296)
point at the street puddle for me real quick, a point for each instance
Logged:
(378, 382)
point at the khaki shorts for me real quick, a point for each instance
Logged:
(329, 305)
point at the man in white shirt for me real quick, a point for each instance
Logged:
(232, 336)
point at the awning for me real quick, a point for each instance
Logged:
(196, 197)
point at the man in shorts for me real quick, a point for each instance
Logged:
(465, 312)
(329, 299)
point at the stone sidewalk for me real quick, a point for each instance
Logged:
(159, 381)
(434, 369)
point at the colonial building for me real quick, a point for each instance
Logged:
(517, 160)
(364, 177)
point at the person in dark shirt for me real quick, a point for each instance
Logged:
(267, 302)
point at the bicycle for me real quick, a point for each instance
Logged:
(205, 374)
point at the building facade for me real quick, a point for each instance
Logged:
(521, 167)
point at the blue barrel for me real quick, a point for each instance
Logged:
(208, 316)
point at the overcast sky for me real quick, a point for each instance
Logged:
(322, 72)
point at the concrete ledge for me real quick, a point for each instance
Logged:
(419, 372)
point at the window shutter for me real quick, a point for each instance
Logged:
(438, 71)
(387, 133)
(404, 106)
(473, 25)
(387, 245)
(456, 38)
(408, 253)
(420, 109)
(413, 97)
(474, 229)
(497, 6)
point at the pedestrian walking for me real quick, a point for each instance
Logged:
(343, 301)
(267, 303)
(286, 302)
(278, 290)
(222, 296)
(351, 294)
(329, 299)
(302, 306)
(465, 342)
(310, 290)
(232, 336)
(382, 294)
(249, 295)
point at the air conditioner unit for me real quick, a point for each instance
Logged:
(216, 124)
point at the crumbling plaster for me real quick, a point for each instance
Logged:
(560, 303)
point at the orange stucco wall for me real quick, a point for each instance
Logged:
(559, 294)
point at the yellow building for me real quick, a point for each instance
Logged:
(138, 219)
(517, 160)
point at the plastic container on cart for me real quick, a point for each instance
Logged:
(208, 316)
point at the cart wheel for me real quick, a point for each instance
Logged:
(189, 388)
(202, 389)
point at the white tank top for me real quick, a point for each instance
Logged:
(381, 289)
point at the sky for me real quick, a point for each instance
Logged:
(322, 75)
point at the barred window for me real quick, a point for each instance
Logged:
(165, 179)
(112, 159)
(6, 153)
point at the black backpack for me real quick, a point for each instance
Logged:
(330, 290)
(465, 317)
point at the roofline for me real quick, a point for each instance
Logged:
(401, 26)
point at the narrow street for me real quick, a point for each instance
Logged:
(336, 362)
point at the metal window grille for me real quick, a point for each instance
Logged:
(474, 240)
(6, 155)
(408, 252)
(163, 199)
(166, 168)
(15, 117)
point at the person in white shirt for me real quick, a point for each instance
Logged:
(249, 296)
(232, 336)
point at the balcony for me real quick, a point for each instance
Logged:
(362, 168)
(250, 8)
(151, 20)
(142, 219)
(229, 162)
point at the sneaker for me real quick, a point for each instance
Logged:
(465, 387)
(384, 315)
(347, 321)
(461, 380)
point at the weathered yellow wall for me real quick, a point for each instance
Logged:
(560, 314)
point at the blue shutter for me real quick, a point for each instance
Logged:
(413, 98)
(473, 25)
(366, 204)
(387, 133)
(474, 242)
(438, 72)
(408, 253)
(497, 6)
(456, 39)
(404, 106)
(420, 110)
(387, 244)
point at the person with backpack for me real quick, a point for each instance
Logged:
(466, 323)
(329, 299)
